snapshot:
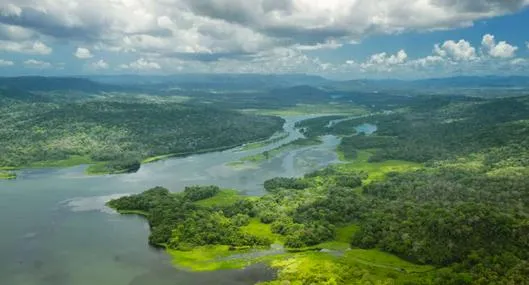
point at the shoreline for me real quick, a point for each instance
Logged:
(94, 166)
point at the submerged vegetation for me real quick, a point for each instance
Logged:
(438, 195)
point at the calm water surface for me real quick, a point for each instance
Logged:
(57, 231)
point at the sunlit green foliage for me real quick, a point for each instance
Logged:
(458, 210)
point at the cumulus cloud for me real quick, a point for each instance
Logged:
(27, 47)
(99, 65)
(461, 50)
(240, 35)
(141, 65)
(498, 50)
(83, 53)
(428, 61)
(385, 60)
(228, 28)
(4, 63)
(33, 63)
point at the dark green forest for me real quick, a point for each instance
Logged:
(444, 184)
(118, 135)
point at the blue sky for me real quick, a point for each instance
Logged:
(335, 38)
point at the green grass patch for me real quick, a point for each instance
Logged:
(5, 175)
(73, 160)
(344, 234)
(206, 258)
(218, 257)
(99, 168)
(133, 212)
(259, 229)
(380, 259)
(329, 245)
(7, 168)
(354, 267)
(223, 198)
(376, 170)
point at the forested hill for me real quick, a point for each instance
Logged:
(119, 135)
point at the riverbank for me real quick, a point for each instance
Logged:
(6, 175)
(101, 167)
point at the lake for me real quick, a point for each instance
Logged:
(57, 231)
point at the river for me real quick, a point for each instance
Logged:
(57, 231)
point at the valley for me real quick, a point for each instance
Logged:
(410, 190)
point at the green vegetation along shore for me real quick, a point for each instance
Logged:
(266, 155)
(115, 136)
(7, 175)
(438, 195)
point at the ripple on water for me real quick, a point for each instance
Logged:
(88, 204)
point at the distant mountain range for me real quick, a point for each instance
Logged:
(284, 83)
(214, 81)
(434, 83)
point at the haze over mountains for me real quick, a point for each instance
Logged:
(240, 82)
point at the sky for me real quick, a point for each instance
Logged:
(341, 39)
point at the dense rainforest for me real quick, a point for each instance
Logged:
(116, 135)
(442, 185)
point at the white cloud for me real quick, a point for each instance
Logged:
(385, 60)
(15, 33)
(498, 50)
(518, 61)
(100, 64)
(428, 61)
(10, 10)
(141, 65)
(33, 63)
(226, 28)
(6, 63)
(238, 35)
(83, 53)
(27, 47)
(461, 50)
(330, 44)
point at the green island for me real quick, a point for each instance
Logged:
(113, 134)
(437, 195)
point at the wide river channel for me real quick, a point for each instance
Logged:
(55, 229)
